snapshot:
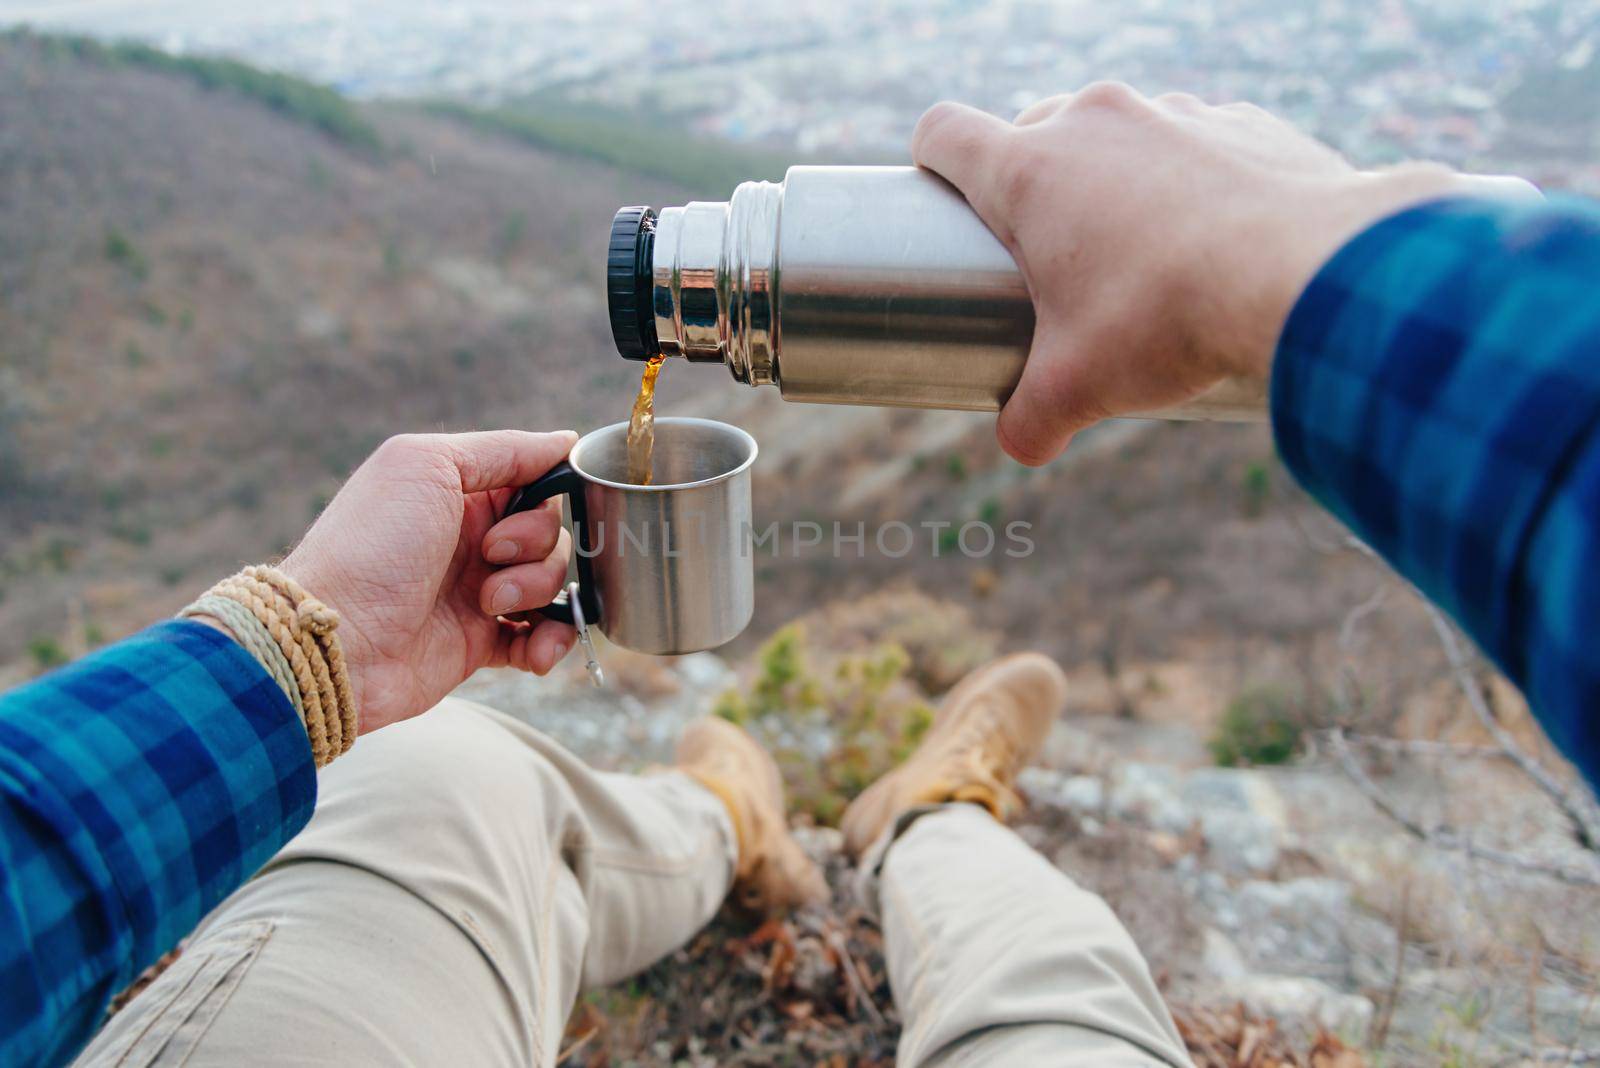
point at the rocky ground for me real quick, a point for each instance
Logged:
(1288, 920)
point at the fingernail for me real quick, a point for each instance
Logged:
(505, 598)
(563, 647)
(501, 551)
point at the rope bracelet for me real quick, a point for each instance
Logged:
(294, 637)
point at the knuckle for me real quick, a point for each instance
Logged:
(406, 449)
(1181, 101)
(948, 133)
(399, 444)
(937, 124)
(937, 117)
(552, 577)
(1040, 110)
(544, 537)
(421, 458)
(1107, 95)
(1246, 109)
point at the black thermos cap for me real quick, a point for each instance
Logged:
(629, 267)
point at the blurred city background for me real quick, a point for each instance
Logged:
(241, 244)
(1506, 84)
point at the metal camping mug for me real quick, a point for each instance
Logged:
(664, 568)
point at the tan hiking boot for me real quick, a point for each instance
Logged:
(773, 872)
(988, 728)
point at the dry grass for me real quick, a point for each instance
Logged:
(813, 989)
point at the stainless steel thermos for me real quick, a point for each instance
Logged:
(842, 285)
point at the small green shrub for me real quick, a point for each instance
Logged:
(47, 653)
(870, 720)
(61, 553)
(133, 533)
(120, 250)
(1470, 1010)
(246, 494)
(394, 257)
(1257, 484)
(1258, 727)
(512, 231)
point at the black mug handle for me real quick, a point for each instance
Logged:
(562, 479)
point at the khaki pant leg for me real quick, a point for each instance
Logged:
(997, 958)
(462, 880)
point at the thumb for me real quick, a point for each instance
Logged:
(1049, 405)
(495, 459)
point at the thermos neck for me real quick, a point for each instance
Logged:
(698, 281)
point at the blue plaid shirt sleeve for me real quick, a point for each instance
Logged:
(138, 787)
(1437, 386)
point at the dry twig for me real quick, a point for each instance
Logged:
(574, 1047)
(1443, 837)
(1578, 809)
(1391, 997)
(1428, 747)
(848, 965)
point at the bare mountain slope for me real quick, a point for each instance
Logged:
(210, 311)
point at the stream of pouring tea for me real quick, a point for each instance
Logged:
(642, 425)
